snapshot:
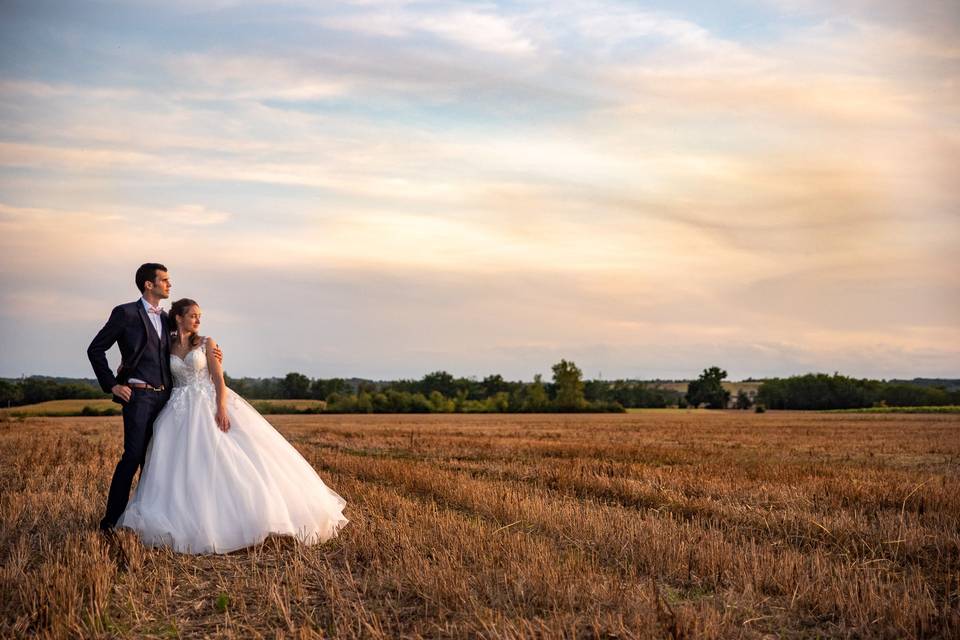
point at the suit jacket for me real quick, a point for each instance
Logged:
(127, 327)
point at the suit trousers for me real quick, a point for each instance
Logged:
(138, 416)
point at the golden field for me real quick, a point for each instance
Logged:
(655, 524)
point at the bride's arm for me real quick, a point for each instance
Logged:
(216, 374)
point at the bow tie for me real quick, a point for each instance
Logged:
(156, 310)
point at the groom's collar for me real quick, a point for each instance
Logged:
(146, 304)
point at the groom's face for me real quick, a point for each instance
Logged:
(160, 285)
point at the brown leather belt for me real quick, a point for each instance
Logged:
(138, 385)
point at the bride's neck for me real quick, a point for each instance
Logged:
(183, 339)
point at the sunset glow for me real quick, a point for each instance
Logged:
(383, 189)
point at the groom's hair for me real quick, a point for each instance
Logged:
(147, 273)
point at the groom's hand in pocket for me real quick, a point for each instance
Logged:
(122, 391)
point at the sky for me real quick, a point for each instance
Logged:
(384, 189)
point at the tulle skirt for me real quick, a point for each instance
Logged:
(205, 491)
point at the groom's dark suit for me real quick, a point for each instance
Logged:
(144, 355)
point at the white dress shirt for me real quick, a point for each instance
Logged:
(156, 320)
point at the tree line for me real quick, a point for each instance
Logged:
(442, 392)
(822, 391)
(818, 391)
(567, 391)
(438, 391)
(20, 391)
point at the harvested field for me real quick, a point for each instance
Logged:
(641, 525)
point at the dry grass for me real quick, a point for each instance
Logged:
(656, 524)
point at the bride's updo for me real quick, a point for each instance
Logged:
(177, 310)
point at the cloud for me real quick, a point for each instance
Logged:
(195, 214)
(485, 31)
(632, 187)
(229, 76)
(406, 321)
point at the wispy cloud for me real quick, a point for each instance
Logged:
(481, 30)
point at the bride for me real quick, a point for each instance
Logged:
(217, 476)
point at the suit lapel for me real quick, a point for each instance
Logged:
(164, 334)
(165, 349)
(146, 321)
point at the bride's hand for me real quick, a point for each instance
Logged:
(223, 420)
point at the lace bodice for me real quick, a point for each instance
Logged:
(191, 370)
(192, 382)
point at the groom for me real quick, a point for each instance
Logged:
(143, 381)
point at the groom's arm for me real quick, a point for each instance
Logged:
(97, 351)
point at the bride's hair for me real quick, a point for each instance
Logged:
(177, 309)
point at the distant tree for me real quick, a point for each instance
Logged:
(708, 389)
(379, 403)
(598, 390)
(494, 384)
(397, 401)
(814, 391)
(11, 393)
(469, 388)
(498, 402)
(440, 404)
(534, 396)
(37, 389)
(366, 386)
(235, 384)
(419, 404)
(569, 384)
(337, 402)
(440, 381)
(364, 402)
(295, 386)
(460, 400)
(629, 393)
(257, 388)
(912, 395)
(743, 400)
(320, 389)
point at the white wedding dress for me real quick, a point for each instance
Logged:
(203, 490)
